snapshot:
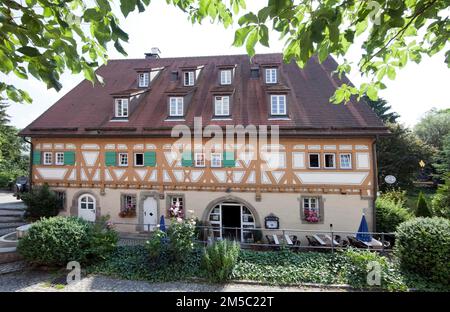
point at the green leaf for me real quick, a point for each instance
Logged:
(29, 51)
(104, 5)
(252, 39)
(248, 19)
(263, 14)
(372, 92)
(241, 34)
(127, 6)
(391, 72)
(264, 35)
(119, 48)
(92, 14)
(118, 31)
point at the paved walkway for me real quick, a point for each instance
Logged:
(38, 281)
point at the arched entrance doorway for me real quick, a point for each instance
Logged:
(86, 207)
(232, 220)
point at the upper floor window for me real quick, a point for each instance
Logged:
(139, 159)
(314, 160)
(225, 76)
(222, 106)
(278, 104)
(48, 158)
(123, 159)
(329, 161)
(199, 159)
(59, 158)
(271, 75)
(346, 161)
(216, 160)
(121, 107)
(176, 107)
(189, 78)
(144, 79)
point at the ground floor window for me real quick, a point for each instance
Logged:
(128, 206)
(61, 197)
(176, 206)
(311, 209)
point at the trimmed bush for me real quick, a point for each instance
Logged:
(58, 240)
(389, 214)
(440, 204)
(423, 247)
(422, 207)
(219, 259)
(41, 202)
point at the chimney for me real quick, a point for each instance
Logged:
(154, 54)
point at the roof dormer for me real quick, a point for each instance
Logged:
(146, 76)
(190, 75)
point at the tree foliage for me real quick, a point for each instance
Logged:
(422, 209)
(434, 127)
(382, 109)
(45, 37)
(399, 155)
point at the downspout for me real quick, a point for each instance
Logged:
(375, 181)
(30, 170)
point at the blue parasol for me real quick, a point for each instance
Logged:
(363, 230)
(162, 224)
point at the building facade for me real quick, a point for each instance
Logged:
(117, 149)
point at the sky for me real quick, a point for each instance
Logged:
(417, 88)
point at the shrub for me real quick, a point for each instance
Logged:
(440, 204)
(157, 244)
(422, 207)
(219, 259)
(423, 247)
(41, 202)
(396, 195)
(58, 240)
(389, 214)
(181, 239)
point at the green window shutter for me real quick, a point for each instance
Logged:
(228, 159)
(150, 159)
(186, 160)
(110, 158)
(69, 158)
(36, 157)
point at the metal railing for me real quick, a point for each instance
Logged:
(259, 238)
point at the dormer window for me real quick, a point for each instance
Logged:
(144, 79)
(278, 104)
(176, 108)
(225, 76)
(222, 105)
(189, 78)
(121, 107)
(271, 75)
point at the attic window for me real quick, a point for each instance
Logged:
(254, 72)
(271, 75)
(176, 107)
(174, 76)
(189, 78)
(225, 76)
(121, 108)
(144, 79)
(278, 104)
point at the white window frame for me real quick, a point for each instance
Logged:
(176, 198)
(325, 163)
(220, 101)
(190, 75)
(271, 75)
(123, 164)
(216, 160)
(144, 79)
(316, 207)
(50, 155)
(350, 160)
(122, 107)
(309, 160)
(196, 160)
(179, 103)
(275, 98)
(226, 76)
(59, 160)
(135, 158)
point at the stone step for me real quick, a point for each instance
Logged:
(19, 209)
(11, 214)
(11, 225)
(10, 219)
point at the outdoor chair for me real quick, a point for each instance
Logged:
(312, 241)
(356, 243)
(270, 240)
(295, 242)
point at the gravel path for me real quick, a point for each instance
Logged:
(38, 281)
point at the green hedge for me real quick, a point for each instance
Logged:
(58, 240)
(389, 214)
(219, 260)
(423, 247)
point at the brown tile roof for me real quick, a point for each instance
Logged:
(87, 107)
